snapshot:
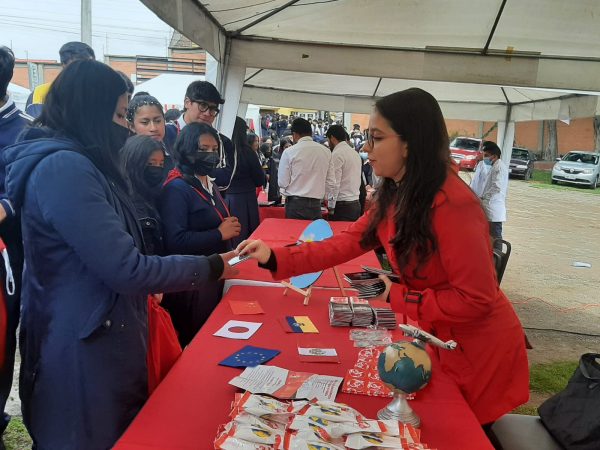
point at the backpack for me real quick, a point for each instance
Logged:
(573, 415)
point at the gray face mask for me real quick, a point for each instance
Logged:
(205, 162)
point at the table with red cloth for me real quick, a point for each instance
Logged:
(281, 232)
(187, 408)
(266, 211)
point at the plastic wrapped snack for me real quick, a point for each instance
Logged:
(267, 407)
(249, 419)
(331, 411)
(339, 429)
(304, 441)
(225, 442)
(359, 441)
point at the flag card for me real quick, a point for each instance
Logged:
(237, 329)
(249, 356)
(240, 307)
(299, 324)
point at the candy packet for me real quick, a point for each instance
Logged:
(304, 441)
(257, 433)
(331, 411)
(267, 407)
(225, 442)
(339, 429)
(359, 441)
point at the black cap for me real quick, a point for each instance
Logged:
(73, 51)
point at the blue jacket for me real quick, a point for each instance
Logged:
(12, 122)
(84, 317)
(249, 173)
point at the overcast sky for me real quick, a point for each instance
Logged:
(36, 29)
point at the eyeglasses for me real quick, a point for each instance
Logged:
(203, 107)
(371, 140)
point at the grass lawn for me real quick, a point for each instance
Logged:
(542, 179)
(16, 436)
(546, 380)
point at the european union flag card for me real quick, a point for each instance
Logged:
(250, 356)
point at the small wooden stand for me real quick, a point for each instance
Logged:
(307, 292)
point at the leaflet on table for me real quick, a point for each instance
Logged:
(283, 383)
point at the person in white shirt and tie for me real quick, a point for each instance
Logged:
(302, 173)
(343, 178)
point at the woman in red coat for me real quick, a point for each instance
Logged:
(436, 236)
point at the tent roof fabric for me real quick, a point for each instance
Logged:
(474, 56)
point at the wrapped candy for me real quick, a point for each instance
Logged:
(304, 441)
(331, 411)
(267, 407)
(339, 429)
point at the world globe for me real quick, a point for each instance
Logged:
(404, 367)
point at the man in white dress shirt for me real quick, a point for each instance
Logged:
(343, 179)
(302, 173)
(493, 197)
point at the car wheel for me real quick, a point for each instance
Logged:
(527, 175)
(594, 184)
(553, 181)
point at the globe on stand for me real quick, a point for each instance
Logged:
(405, 367)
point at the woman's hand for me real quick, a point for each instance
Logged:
(255, 249)
(228, 271)
(388, 286)
(230, 228)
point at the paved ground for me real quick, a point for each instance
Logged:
(549, 230)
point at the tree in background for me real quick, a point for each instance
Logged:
(550, 150)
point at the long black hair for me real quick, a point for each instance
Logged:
(186, 145)
(135, 154)
(80, 106)
(416, 116)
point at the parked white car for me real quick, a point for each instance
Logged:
(577, 167)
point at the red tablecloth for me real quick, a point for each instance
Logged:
(277, 212)
(185, 411)
(280, 232)
(271, 212)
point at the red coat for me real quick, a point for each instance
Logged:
(461, 299)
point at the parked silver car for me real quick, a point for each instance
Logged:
(577, 167)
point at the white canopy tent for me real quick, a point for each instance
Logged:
(483, 60)
(168, 88)
(18, 94)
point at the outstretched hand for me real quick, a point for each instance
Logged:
(228, 271)
(255, 249)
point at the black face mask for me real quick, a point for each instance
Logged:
(154, 176)
(205, 162)
(119, 135)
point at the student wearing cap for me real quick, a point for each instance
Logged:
(71, 51)
(201, 105)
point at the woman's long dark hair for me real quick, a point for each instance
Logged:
(242, 140)
(80, 105)
(186, 145)
(416, 116)
(135, 154)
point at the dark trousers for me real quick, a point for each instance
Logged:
(10, 232)
(496, 230)
(302, 208)
(346, 211)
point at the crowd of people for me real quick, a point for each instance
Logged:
(119, 204)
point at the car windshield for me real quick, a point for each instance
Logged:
(520, 154)
(585, 158)
(467, 144)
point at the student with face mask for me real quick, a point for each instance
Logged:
(145, 116)
(84, 321)
(196, 221)
(143, 161)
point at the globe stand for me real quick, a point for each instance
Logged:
(399, 409)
